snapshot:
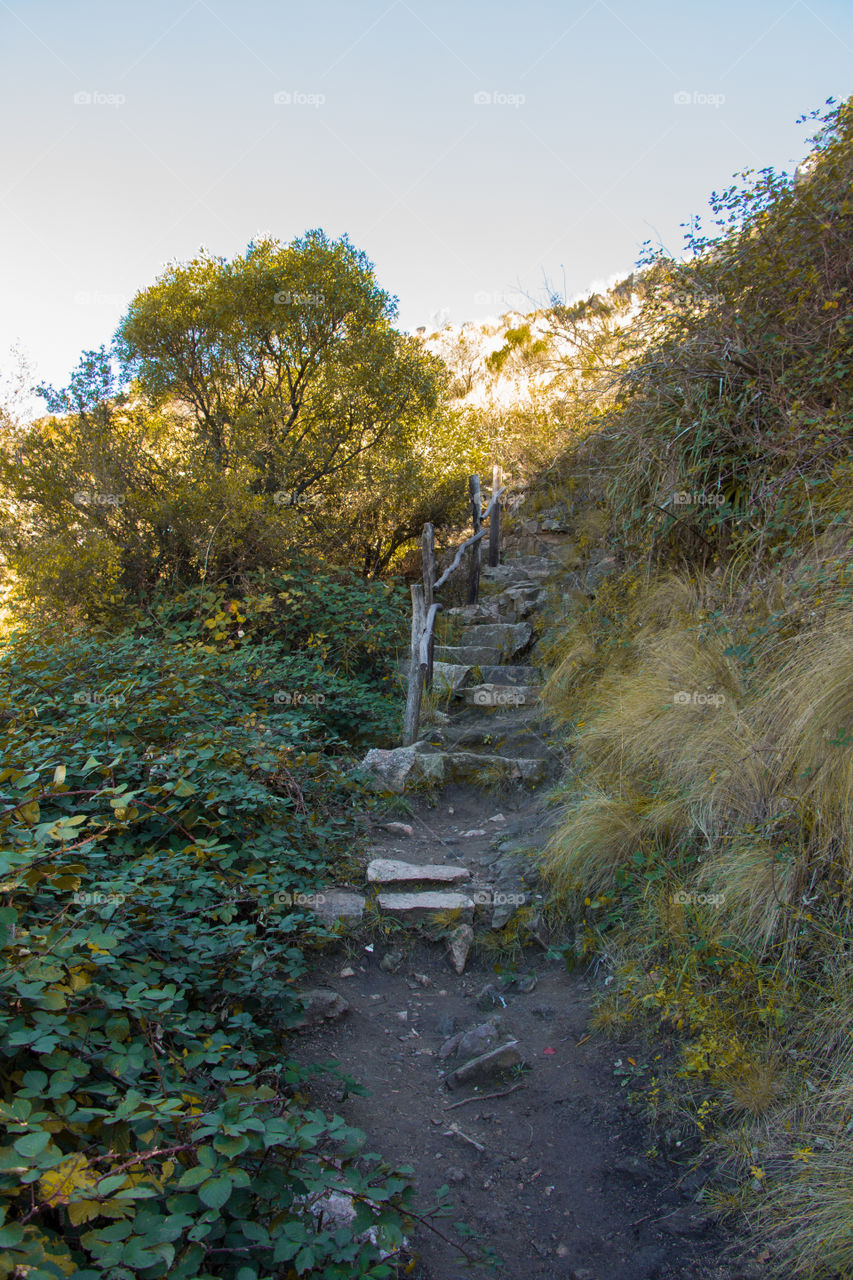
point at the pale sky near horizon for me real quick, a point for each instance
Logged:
(474, 150)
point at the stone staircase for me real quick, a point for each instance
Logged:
(487, 677)
(493, 734)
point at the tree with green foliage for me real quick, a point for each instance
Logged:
(285, 358)
(256, 386)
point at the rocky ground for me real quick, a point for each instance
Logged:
(547, 1162)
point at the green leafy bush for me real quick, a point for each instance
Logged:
(160, 816)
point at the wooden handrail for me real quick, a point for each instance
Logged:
(425, 608)
(467, 543)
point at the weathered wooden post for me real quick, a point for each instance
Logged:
(416, 671)
(428, 548)
(495, 519)
(476, 517)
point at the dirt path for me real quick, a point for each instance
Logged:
(553, 1176)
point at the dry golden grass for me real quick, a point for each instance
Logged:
(598, 834)
(754, 1087)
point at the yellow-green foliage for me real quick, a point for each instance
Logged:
(706, 691)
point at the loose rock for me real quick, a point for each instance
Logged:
(489, 997)
(480, 1039)
(458, 945)
(320, 1005)
(684, 1222)
(486, 1065)
(391, 961)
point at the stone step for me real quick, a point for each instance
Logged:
(531, 569)
(483, 768)
(420, 906)
(514, 674)
(508, 638)
(447, 677)
(337, 904)
(501, 696)
(480, 612)
(471, 655)
(507, 575)
(498, 738)
(531, 560)
(497, 589)
(393, 871)
(517, 603)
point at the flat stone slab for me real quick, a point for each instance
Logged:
(469, 655)
(508, 637)
(338, 904)
(417, 906)
(509, 674)
(468, 766)
(393, 871)
(479, 612)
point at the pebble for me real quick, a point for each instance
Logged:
(391, 961)
(544, 1011)
(399, 828)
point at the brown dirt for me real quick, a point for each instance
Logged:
(563, 1181)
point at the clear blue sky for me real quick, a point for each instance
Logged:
(581, 154)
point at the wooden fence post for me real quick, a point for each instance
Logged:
(476, 516)
(416, 671)
(428, 546)
(495, 519)
(425, 608)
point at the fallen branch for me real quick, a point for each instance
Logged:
(484, 1097)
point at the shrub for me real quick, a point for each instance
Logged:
(159, 813)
